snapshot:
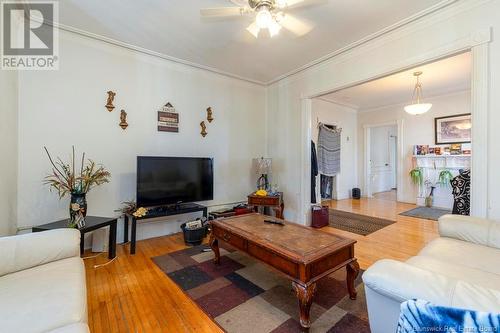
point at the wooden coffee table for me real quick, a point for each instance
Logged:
(303, 254)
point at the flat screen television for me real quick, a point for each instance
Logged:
(172, 180)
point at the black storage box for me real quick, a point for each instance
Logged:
(356, 193)
(194, 236)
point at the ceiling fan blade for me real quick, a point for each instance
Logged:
(253, 29)
(222, 12)
(298, 27)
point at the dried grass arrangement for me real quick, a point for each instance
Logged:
(65, 179)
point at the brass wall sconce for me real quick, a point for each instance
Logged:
(109, 104)
(203, 129)
(123, 119)
(210, 117)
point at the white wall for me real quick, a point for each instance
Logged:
(397, 49)
(8, 151)
(416, 130)
(346, 118)
(383, 159)
(66, 107)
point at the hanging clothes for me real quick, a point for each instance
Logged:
(326, 187)
(329, 141)
(314, 172)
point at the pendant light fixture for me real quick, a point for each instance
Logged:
(417, 107)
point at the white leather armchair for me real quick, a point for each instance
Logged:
(459, 269)
(42, 283)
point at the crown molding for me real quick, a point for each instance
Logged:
(366, 39)
(403, 104)
(154, 53)
(354, 107)
(143, 50)
(395, 26)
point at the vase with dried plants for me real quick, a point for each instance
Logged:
(66, 180)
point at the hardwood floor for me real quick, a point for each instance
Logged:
(388, 195)
(132, 294)
(399, 241)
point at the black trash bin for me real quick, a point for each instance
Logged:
(194, 236)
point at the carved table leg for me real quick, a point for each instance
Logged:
(305, 295)
(214, 244)
(352, 274)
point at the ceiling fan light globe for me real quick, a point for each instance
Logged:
(274, 28)
(254, 30)
(279, 16)
(264, 18)
(416, 109)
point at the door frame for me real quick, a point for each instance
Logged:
(399, 157)
(478, 44)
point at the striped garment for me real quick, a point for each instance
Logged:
(329, 150)
(422, 316)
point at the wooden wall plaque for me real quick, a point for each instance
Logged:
(168, 119)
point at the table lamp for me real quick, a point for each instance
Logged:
(262, 168)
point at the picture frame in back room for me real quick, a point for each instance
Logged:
(453, 129)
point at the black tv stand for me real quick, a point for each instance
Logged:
(159, 211)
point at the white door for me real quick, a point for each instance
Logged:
(383, 158)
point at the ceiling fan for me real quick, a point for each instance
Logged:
(269, 14)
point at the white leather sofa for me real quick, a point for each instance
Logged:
(460, 269)
(42, 283)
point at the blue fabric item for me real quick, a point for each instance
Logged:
(422, 316)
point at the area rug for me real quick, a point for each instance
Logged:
(356, 223)
(243, 295)
(428, 213)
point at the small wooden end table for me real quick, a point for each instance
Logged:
(91, 223)
(273, 201)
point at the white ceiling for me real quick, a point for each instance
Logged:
(175, 28)
(439, 78)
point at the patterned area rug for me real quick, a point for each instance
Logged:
(428, 213)
(356, 223)
(243, 295)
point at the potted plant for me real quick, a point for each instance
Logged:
(417, 176)
(444, 178)
(77, 183)
(429, 199)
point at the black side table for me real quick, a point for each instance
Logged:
(91, 223)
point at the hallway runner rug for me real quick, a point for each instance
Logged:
(356, 223)
(244, 295)
(428, 213)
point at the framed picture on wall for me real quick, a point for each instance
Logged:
(453, 129)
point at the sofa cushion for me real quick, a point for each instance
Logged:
(459, 272)
(44, 298)
(464, 254)
(30, 250)
(470, 229)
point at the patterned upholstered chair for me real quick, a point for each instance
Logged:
(461, 193)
